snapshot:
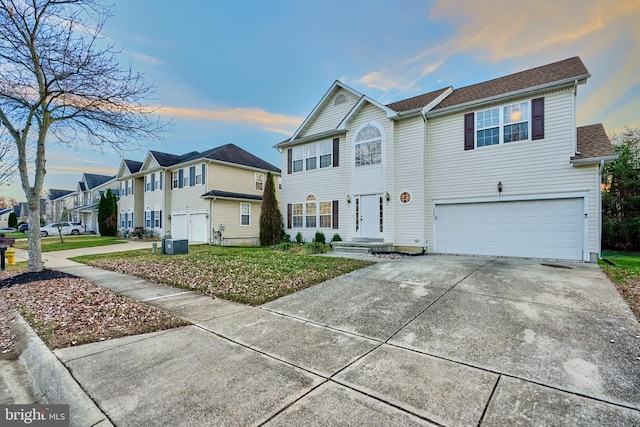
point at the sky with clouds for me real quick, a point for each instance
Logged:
(249, 72)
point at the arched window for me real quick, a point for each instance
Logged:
(341, 98)
(368, 147)
(310, 211)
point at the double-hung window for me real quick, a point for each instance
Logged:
(311, 151)
(147, 219)
(259, 181)
(297, 211)
(156, 219)
(310, 208)
(298, 155)
(503, 125)
(326, 149)
(325, 214)
(245, 214)
(174, 179)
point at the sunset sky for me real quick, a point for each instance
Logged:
(248, 72)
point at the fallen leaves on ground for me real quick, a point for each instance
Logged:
(67, 311)
(254, 278)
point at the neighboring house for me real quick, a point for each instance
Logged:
(22, 210)
(87, 198)
(4, 216)
(210, 197)
(59, 205)
(495, 168)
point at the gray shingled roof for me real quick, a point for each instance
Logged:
(133, 165)
(56, 193)
(231, 153)
(564, 70)
(94, 180)
(593, 142)
(166, 159)
(231, 195)
(82, 186)
(416, 101)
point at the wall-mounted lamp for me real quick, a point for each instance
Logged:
(387, 196)
(169, 216)
(499, 186)
(348, 198)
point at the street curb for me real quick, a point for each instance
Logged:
(52, 382)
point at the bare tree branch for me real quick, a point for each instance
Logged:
(61, 82)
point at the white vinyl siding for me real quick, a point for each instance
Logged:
(526, 168)
(409, 177)
(329, 115)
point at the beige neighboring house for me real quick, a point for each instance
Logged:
(495, 168)
(59, 205)
(211, 197)
(87, 198)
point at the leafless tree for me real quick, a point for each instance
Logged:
(8, 160)
(61, 82)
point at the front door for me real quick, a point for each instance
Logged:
(369, 216)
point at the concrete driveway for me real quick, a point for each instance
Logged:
(433, 340)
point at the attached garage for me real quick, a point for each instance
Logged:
(548, 228)
(191, 226)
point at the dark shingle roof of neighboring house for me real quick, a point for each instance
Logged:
(55, 193)
(230, 195)
(231, 153)
(94, 180)
(593, 143)
(133, 165)
(82, 186)
(565, 70)
(5, 211)
(416, 101)
(166, 159)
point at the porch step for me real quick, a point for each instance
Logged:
(361, 247)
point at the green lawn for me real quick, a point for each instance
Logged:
(16, 235)
(50, 244)
(626, 276)
(247, 275)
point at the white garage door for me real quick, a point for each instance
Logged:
(198, 231)
(179, 226)
(531, 228)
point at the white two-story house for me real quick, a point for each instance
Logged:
(496, 168)
(87, 198)
(59, 205)
(213, 196)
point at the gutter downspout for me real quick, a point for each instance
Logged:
(600, 169)
(424, 180)
(575, 106)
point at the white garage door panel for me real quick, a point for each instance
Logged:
(531, 228)
(179, 226)
(198, 228)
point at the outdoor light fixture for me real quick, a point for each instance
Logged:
(387, 196)
(499, 186)
(348, 198)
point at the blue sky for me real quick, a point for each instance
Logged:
(249, 72)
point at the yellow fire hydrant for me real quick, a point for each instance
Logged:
(10, 255)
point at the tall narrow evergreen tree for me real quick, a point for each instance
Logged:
(107, 211)
(271, 225)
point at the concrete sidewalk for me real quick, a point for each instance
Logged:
(430, 340)
(423, 341)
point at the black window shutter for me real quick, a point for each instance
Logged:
(469, 131)
(334, 213)
(180, 178)
(336, 152)
(160, 219)
(152, 219)
(145, 183)
(537, 116)
(192, 176)
(204, 167)
(289, 160)
(153, 182)
(289, 215)
(160, 180)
